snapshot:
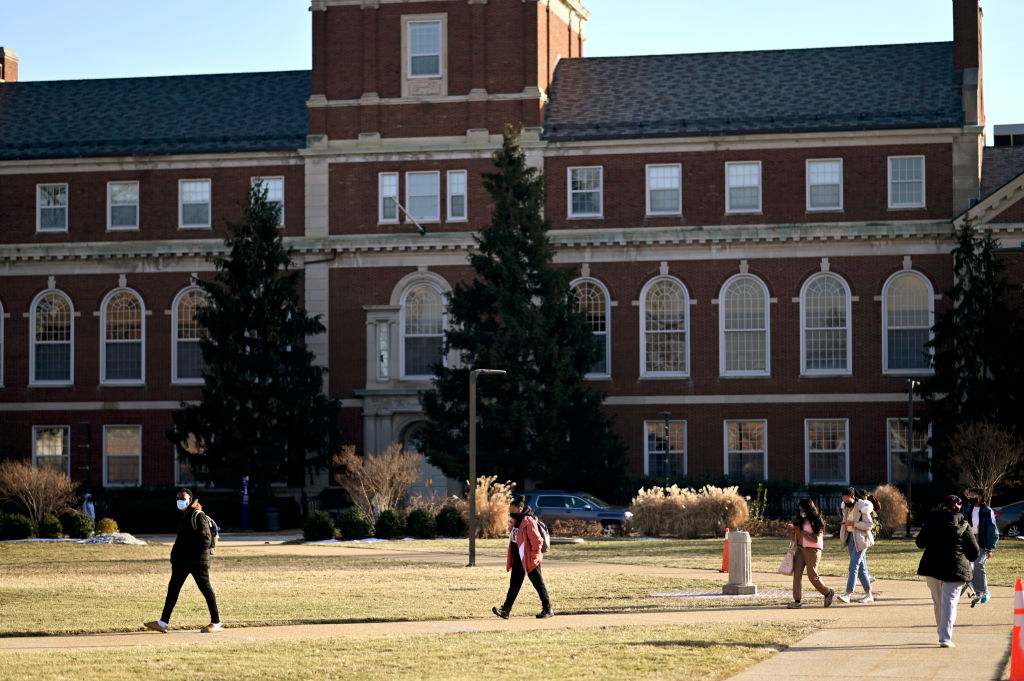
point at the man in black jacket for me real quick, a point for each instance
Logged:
(949, 547)
(190, 555)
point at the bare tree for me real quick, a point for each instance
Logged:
(984, 455)
(37, 490)
(379, 481)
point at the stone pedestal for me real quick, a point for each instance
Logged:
(739, 566)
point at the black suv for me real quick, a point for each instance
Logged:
(557, 504)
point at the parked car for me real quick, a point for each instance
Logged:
(556, 504)
(1008, 519)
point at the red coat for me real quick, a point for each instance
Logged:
(528, 542)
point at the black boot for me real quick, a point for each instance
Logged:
(545, 612)
(501, 612)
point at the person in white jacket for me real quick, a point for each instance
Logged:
(856, 534)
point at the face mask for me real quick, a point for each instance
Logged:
(802, 514)
(182, 504)
(849, 504)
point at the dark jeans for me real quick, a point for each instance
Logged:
(516, 582)
(201, 573)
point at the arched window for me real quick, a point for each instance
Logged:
(665, 311)
(52, 334)
(592, 301)
(743, 320)
(187, 357)
(122, 329)
(825, 321)
(908, 311)
(423, 322)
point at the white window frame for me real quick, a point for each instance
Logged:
(600, 191)
(807, 452)
(110, 207)
(889, 449)
(924, 184)
(265, 179)
(141, 380)
(607, 325)
(106, 456)
(659, 426)
(402, 325)
(440, 48)
(885, 324)
(67, 442)
(464, 195)
(809, 184)
(208, 202)
(722, 332)
(644, 372)
(381, 196)
(727, 451)
(436, 217)
(33, 308)
(804, 371)
(729, 210)
(678, 209)
(40, 207)
(175, 317)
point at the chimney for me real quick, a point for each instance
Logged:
(967, 58)
(8, 65)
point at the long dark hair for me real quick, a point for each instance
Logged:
(813, 515)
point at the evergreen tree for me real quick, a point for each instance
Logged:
(539, 421)
(977, 345)
(263, 411)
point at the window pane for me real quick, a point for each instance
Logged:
(425, 37)
(53, 218)
(190, 360)
(123, 216)
(122, 447)
(825, 332)
(195, 214)
(826, 451)
(53, 362)
(195, 191)
(665, 327)
(746, 448)
(898, 451)
(424, 328)
(907, 348)
(421, 354)
(51, 196)
(124, 317)
(591, 301)
(388, 190)
(123, 361)
(824, 195)
(51, 448)
(424, 195)
(663, 189)
(122, 470)
(666, 459)
(743, 198)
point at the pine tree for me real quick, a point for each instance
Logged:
(539, 421)
(263, 412)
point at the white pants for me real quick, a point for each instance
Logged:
(945, 597)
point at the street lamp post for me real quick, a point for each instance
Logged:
(911, 384)
(472, 458)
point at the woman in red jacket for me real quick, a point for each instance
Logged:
(524, 556)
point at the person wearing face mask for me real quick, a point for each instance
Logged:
(523, 559)
(983, 525)
(855, 533)
(190, 555)
(808, 534)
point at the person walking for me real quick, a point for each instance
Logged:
(524, 556)
(190, 555)
(949, 546)
(808, 539)
(89, 509)
(983, 526)
(855, 533)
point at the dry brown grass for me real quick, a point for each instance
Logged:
(893, 514)
(687, 513)
(492, 500)
(577, 528)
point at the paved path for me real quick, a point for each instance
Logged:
(894, 638)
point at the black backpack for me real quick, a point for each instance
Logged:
(545, 533)
(214, 529)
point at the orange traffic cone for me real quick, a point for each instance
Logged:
(725, 553)
(1017, 651)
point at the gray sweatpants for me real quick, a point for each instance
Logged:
(945, 598)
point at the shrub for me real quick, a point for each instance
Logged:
(431, 503)
(492, 500)
(577, 528)
(35, 490)
(353, 524)
(450, 522)
(893, 514)
(318, 526)
(76, 525)
(15, 526)
(389, 525)
(384, 478)
(421, 524)
(49, 527)
(767, 528)
(106, 526)
(685, 513)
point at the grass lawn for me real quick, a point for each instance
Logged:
(706, 652)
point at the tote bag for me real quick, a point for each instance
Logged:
(786, 567)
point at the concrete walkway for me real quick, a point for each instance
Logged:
(893, 638)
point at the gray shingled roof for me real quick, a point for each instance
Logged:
(152, 116)
(999, 165)
(843, 88)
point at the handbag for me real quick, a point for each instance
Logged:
(786, 567)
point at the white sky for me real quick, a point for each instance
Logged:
(70, 39)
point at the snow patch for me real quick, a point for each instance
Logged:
(114, 538)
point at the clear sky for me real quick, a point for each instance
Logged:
(69, 39)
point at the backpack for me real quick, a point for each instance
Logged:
(214, 529)
(875, 502)
(545, 533)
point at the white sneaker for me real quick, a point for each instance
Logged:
(947, 644)
(212, 627)
(157, 625)
(866, 599)
(844, 597)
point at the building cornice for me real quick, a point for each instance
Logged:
(319, 101)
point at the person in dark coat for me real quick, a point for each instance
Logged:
(949, 547)
(190, 555)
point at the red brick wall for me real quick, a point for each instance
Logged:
(1013, 213)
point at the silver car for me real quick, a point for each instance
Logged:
(555, 504)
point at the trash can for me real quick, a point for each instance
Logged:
(272, 520)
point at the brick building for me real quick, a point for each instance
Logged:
(761, 239)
